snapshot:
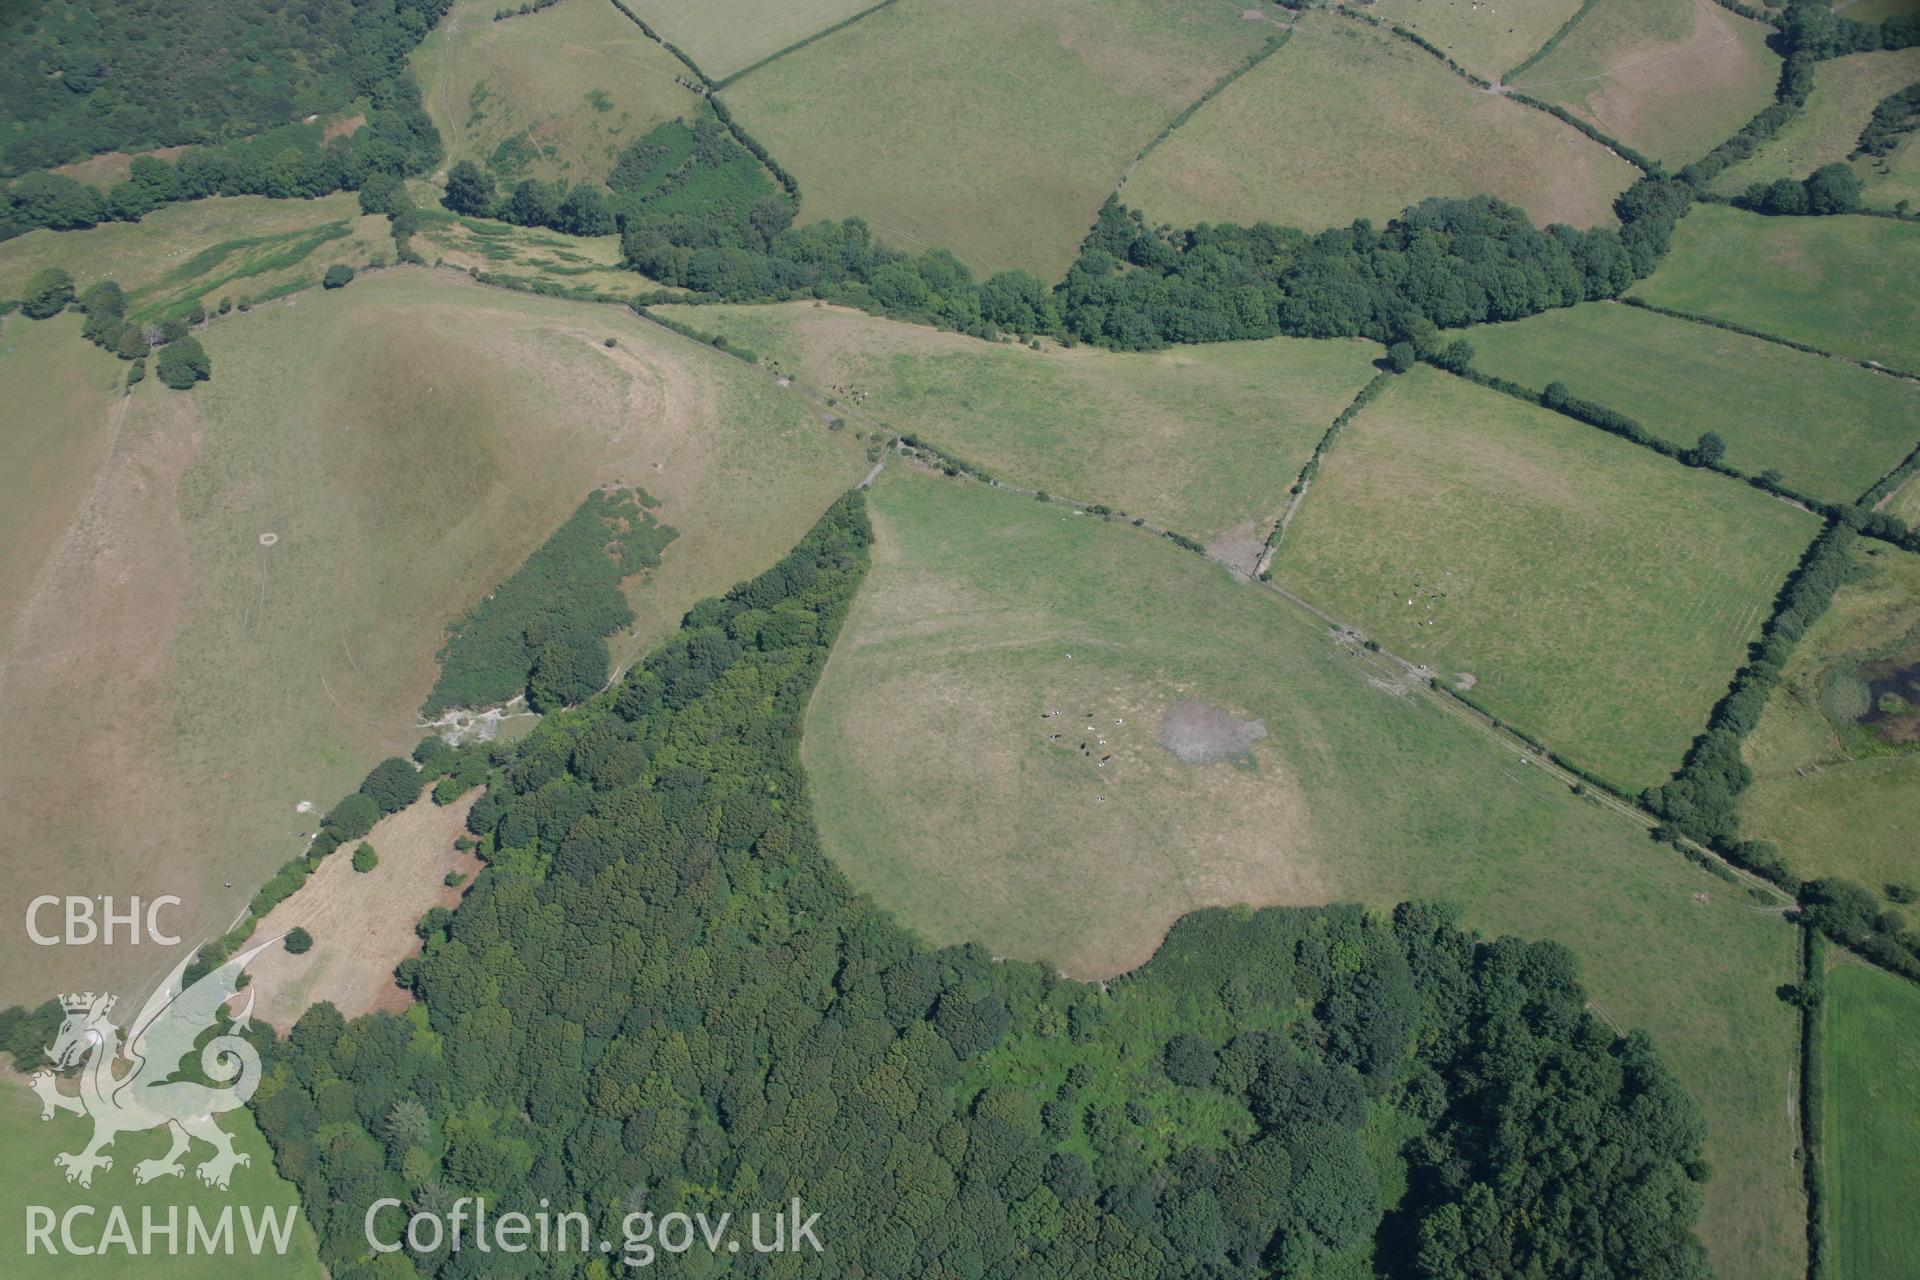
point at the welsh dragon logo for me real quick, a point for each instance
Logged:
(128, 1087)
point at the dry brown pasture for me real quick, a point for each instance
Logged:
(362, 922)
(408, 441)
(1347, 122)
(1670, 77)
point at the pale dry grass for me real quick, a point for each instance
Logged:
(410, 440)
(1672, 78)
(362, 922)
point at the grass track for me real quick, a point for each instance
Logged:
(1873, 1122)
(988, 127)
(937, 789)
(1279, 144)
(410, 439)
(1671, 78)
(1832, 429)
(1839, 283)
(1602, 596)
(59, 391)
(1835, 803)
(1199, 439)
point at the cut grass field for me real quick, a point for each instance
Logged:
(1672, 78)
(362, 922)
(30, 1177)
(1845, 92)
(1873, 1122)
(1348, 122)
(1201, 439)
(1484, 38)
(408, 440)
(724, 36)
(1836, 801)
(553, 94)
(1601, 596)
(1833, 429)
(61, 393)
(992, 128)
(1838, 283)
(938, 789)
(242, 247)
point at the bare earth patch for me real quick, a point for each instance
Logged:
(362, 922)
(1200, 734)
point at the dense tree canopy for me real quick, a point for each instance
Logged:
(542, 631)
(84, 76)
(660, 993)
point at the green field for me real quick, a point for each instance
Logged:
(1905, 501)
(1873, 1122)
(725, 35)
(1835, 798)
(1673, 78)
(992, 128)
(1875, 10)
(242, 247)
(31, 1178)
(1390, 127)
(1201, 439)
(937, 788)
(554, 94)
(1600, 595)
(535, 256)
(1845, 92)
(1484, 38)
(1838, 283)
(1833, 429)
(408, 440)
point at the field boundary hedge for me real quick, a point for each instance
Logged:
(1593, 414)
(1553, 42)
(1813, 1095)
(1734, 326)
(1310, 470)
(672, 48)
(1273, 45)
(802, 43)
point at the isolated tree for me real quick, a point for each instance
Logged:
(338, 276)
(376, 193)
(182, 363)
(298, 941)
(1708, 450)
(1401, 357)
(48, 292)
(365, 858)
(469, 190)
